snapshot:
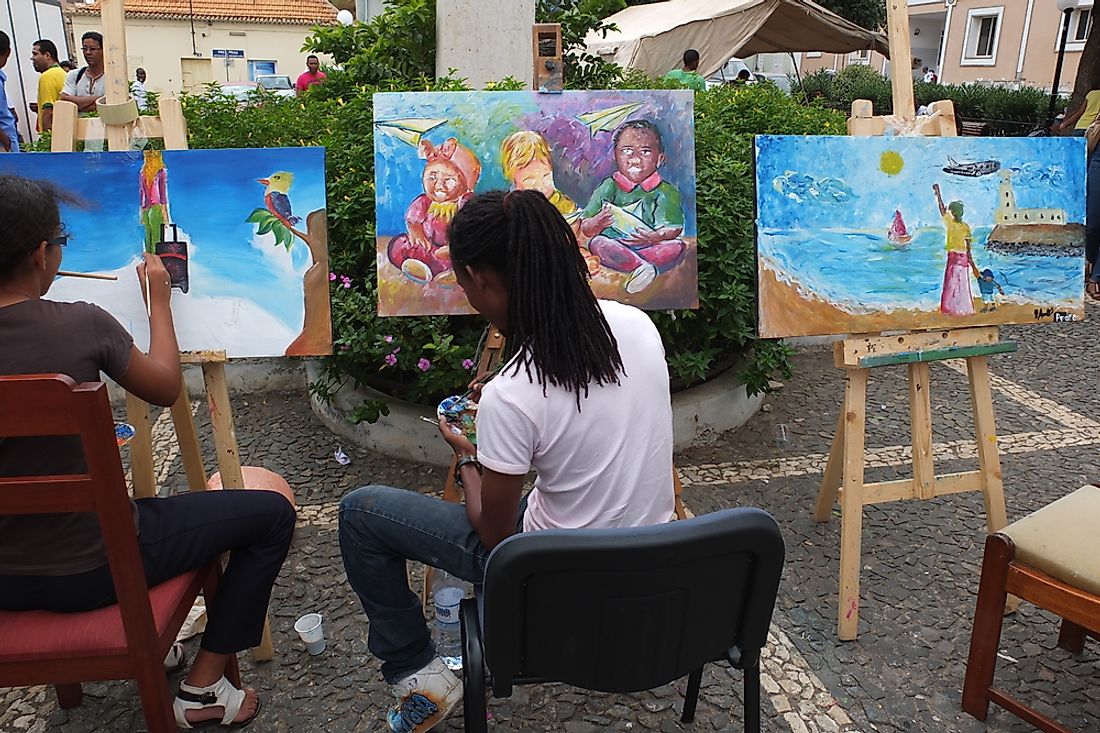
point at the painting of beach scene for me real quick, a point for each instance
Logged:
(242, 234)
(618, 165)
(869, 234)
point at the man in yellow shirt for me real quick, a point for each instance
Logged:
(50, 84)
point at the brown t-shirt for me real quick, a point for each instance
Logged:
(80, 340)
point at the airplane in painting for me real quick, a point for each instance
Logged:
(973, 170)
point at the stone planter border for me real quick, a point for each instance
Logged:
(699, 416)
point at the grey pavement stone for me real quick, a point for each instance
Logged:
(921, 563)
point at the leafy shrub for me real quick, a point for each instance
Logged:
(1006, 110)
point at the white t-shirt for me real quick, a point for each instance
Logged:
(609, 465)
(87, 86)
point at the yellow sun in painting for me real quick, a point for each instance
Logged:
(891, 163)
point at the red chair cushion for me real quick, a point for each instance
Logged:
(40, 635)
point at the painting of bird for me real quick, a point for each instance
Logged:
(277, 198)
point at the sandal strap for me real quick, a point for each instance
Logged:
(221, 693)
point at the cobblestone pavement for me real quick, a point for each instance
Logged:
(920, 567)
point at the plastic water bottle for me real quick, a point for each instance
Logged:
(448, 592)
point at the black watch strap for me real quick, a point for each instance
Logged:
(465, 461)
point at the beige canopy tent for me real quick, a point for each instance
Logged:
(654, 37)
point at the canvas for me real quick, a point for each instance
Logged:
(618, 165)
(869, 234)
(241, 232)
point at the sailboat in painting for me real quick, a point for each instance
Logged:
(898, 233)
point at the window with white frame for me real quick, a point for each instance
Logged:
(983, 34)
(862, 56)
(1080, 23)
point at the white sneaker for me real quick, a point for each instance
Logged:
(641, 278)
(426, 697)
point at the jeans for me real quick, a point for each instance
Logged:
(179, 534)
(1092, 215)
(382, 527)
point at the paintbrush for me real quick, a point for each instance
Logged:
(89, 275)
(148, 295)
(483, 379)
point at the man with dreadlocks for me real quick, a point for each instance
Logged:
(583, 399)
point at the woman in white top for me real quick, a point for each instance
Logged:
(583, 400)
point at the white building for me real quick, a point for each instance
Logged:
(183, 44)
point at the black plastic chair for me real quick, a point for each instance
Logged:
(625, 610)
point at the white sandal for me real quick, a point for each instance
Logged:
(220, 694)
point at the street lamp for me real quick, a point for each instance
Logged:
(1066, 7)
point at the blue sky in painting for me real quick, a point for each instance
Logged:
(211, 193)
(836, 182)
(481, 121)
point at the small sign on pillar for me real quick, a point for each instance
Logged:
(546, 44)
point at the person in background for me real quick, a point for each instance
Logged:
(930, 76)
(743, 77)
(688, 76)
(85, 85)
(68, 65)
(312, 75)
(583, 399)
(137, 89)
(1079, 120)
(9, 133)
(50, 83)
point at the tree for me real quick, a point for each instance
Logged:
(870, 14)
(1088, 69)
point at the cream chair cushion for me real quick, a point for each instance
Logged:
(1063, 539)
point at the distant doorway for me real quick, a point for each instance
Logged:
(196, 73)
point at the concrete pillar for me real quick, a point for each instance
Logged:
(485, 40)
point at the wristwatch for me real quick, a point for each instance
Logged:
(465, 461)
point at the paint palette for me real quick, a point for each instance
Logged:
(461, 412)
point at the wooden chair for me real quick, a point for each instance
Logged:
(624, 610)
(1050, 559)
(125, 641)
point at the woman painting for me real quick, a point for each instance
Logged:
(956, 298)
(58, 562)
(584, 400)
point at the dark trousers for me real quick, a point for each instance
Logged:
(179, 534)
(1092, 214)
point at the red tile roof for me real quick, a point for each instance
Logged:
(244, 11)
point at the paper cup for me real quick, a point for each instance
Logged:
(312, 633)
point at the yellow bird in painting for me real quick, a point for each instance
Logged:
(277, 198)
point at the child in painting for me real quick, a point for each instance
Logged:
(525, 158)
(449, 178)
(654, 246)
(956, 298)
(988, 286)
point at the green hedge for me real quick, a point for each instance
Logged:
(1006, 111)
(699, 343)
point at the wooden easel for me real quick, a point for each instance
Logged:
(857, 356)
(170, 125)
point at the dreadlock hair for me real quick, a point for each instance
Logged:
(555, 325)
(29, 215)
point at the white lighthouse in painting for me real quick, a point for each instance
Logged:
(1008, 213)
(1018, 231)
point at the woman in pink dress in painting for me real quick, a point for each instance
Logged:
(956, 298)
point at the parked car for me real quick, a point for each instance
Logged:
(728, 73)
(280, 84)
(244, 91)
